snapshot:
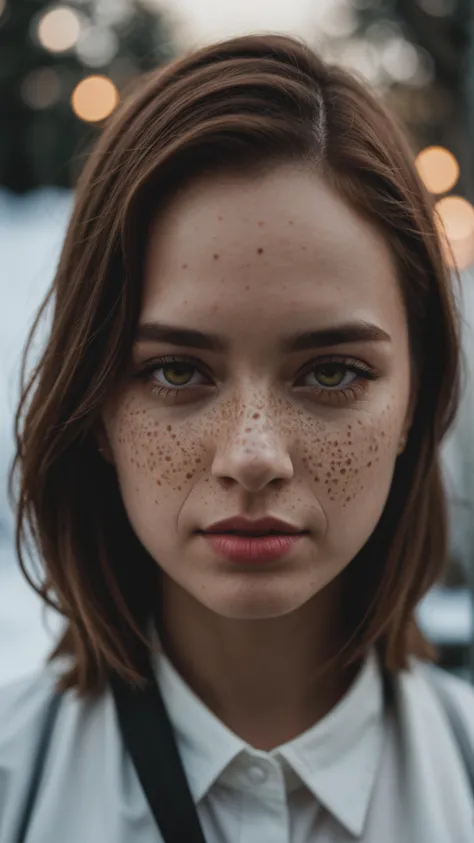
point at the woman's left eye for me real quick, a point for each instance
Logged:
(333, 375)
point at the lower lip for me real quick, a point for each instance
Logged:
(248, 549)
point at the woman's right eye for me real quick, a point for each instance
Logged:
(169, 376)
(176, 374)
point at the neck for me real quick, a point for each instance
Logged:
(262, 678)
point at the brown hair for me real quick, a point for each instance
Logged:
(249, 102)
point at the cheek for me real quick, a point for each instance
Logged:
(351, 471)
(155, 464)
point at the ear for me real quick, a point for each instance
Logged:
(103, 443)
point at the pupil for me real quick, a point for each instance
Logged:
(330, 376)
(181, 369)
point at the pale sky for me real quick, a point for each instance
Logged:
(202, 21)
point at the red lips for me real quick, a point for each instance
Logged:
(260, 527)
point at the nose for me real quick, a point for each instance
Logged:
(252, 453)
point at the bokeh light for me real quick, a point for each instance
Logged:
(438, 168)
(97, 46)
(337, 21)
(437, 8)
(94, 98)
(59, 29)
(461, 254)
(455, 218)
(400, 59)
(361, 56)
(41, 88)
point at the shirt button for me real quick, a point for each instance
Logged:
(257, 774)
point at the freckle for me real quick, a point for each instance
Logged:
(349, 499)
(304, 248)
(290, 222)
(185, 266)
(256, 416)
(261, 222)
(260, 251)
(219, 218)
(349, 462)
(343, 471)
(188, 476)
(168, 459)
(168, 427)
(216, 257)
(369, 464)
(158, 482)
(316, 478)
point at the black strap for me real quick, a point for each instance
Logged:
(149, 738)
(38, 766)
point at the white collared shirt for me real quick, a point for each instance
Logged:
(361, 773)
(293, 793)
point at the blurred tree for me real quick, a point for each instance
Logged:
(45, 51)
(433, 103)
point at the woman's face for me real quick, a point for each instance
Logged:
(254, 423)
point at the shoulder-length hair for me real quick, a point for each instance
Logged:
(243, 105)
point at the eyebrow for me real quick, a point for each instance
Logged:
(349, 332)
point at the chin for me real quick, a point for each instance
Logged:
(256, 603)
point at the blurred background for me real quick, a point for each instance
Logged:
(63, 68)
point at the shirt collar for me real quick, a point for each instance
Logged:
(206, 745)
(336, 759)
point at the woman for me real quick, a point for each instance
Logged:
(228, 459)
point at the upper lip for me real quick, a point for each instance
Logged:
(262, 526)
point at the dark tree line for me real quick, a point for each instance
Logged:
(42, 141)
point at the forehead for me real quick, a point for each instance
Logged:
(256, 251)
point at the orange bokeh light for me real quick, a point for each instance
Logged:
(437, 168)
(455, 218)
(94, 98)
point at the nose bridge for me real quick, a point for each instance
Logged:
(254, 414)
(252, 448)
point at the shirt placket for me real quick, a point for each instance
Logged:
(265, 815)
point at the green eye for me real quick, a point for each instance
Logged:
(331, 376)
(182, 373)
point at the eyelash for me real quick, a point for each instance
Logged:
(336, 394)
